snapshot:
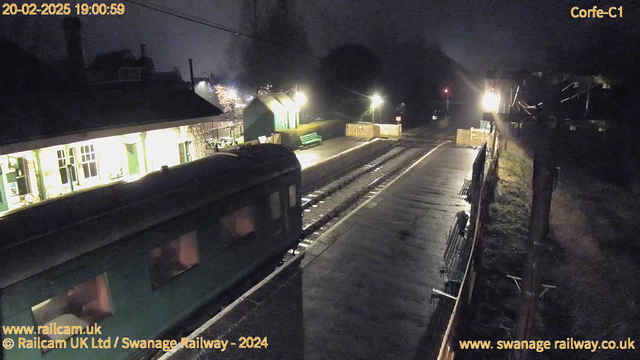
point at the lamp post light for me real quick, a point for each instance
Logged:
(300, 99)
(376, 100)
(491, 102)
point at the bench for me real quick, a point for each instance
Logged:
(310, 139)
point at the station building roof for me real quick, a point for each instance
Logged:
(277, 102)
(41, 119)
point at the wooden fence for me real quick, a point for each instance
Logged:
(365, 130)
(474, 137)
(389, 129)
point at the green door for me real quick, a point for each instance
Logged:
(4, 206)
(132, 159)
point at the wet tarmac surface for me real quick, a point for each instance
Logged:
(328, 148)
(362, 290)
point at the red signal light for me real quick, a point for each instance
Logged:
(446, 91)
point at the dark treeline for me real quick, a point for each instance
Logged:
(339, 83)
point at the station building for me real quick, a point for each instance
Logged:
(56, 143)
(269, 113)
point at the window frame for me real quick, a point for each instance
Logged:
(166, 246)
(68, 164)
(229, 241)
(275, 194)
(88, 156)
(102, 283)
(291, 195)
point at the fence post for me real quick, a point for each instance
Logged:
(476, 180)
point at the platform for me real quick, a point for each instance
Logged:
(362, 291)
(327, 149)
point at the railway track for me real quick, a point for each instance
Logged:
(325, 191)
(323, 207)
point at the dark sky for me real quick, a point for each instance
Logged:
(478, 34)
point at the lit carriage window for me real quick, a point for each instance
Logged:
(172, 259)
(274, 203)
(237, 225)
(89, 162)
(77, 308)
(293, 196)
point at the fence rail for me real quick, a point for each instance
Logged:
(485, 168)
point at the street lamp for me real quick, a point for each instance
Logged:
(376, 100)
(491, 101)
(300, 98)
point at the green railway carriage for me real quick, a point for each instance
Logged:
(138, 257)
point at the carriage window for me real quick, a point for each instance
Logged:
(293, 196)
(77, 308)
(274, 203)
(170, 260)
(237, 225)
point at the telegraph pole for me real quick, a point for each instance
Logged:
(255, 34)
(544, 173)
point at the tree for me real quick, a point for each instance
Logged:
(351, 72)
(278, 58)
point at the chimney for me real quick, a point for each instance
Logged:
(193, 86)
(72, 30)
(143, 50)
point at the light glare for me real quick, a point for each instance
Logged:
(300, 98)
(490, 102)
(376, 100)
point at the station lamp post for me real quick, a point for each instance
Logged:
(376, 100)
(300, 99)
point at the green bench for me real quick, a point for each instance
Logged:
(310, 139)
